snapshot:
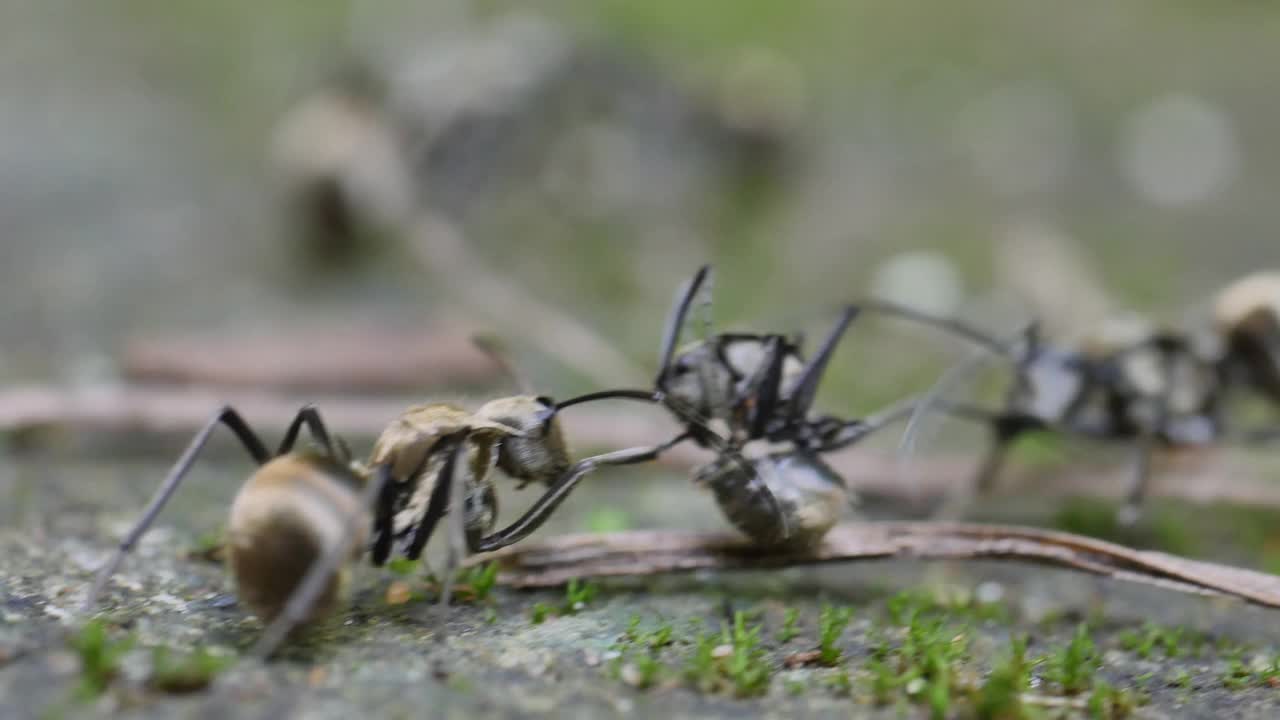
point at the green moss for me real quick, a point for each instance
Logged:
(1001, 695)
(100, 657)
(831, 625)
(540, 613)
(747, 667)
(403, 566)
(184, 672)
(1171, 642)
(701, 670)
(577, 595)
(745, 670)
(1072, 666)
(790, 618)
(480, 580)
(1110, 703)
(209, 546)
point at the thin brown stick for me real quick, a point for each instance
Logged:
(180, 411)
(558, 560)
(183, 410)
(332, 359)
(442, 250)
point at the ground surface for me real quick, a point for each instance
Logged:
(385, 659)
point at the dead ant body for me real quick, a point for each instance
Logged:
(1247, 319)
(304, 516)
(761, 388)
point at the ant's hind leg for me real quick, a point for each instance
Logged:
(1145, 448)
(304, 596)
(310, 417)
(1128, 513)
(225, 416)
(806, 388)
(984, 481)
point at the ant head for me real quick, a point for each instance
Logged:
(1251, 304)
(539, 452)
(699, 380)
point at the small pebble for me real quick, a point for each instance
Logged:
(722, 651)
(989, 592)
(631, 675)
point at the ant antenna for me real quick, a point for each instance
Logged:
(493, 347)
(676, 319)
(951, 325)
(933, 396)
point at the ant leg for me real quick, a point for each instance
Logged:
(763, 389)
(385, 509)
(309, 416)
(304, 596)
(800, 398)
(1132, 508)
(984, 481)
(536, 515)
(439, 502)
(848, 432)
(456, 540)
(958, 501)
(1146, 445)
(675, 323)
(226, 415)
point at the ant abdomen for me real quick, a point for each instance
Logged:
(797, 500)
(282, 521)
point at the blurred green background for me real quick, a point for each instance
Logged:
(1118, 155)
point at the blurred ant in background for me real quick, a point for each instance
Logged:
(1134, 381)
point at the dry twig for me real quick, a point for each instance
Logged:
(324, 358)
(558, 560)
(180, 411)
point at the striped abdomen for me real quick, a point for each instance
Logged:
(282, 520)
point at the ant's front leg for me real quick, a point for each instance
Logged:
(542, 509)
(310, 417)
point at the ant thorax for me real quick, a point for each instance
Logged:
(709, 377)
(1051, 385)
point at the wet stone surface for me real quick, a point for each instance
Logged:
(631, 650)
